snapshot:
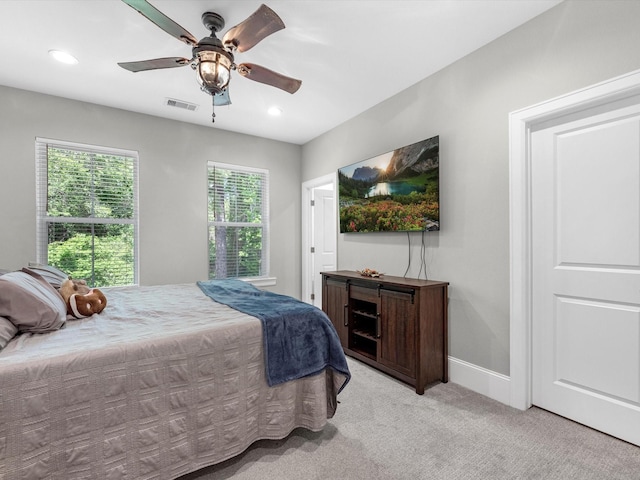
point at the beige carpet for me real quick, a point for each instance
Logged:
(384, 431)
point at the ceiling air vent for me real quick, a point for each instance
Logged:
(172, 102)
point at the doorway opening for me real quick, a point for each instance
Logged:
(319, 237)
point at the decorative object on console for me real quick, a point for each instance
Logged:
(368, 272)
(396, 191)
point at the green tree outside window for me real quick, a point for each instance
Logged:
(238, 223)
(87, 212)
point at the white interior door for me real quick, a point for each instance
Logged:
(324, 256)
(585, 191)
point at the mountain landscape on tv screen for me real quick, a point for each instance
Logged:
(396, 191)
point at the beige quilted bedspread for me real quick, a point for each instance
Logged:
(164, 382)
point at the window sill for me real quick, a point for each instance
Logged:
(261, 281)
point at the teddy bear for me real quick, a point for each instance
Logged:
(82, 301)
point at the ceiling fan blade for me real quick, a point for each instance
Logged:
(156, 63)
(264, 75)
(160, 19)
(221, 99)
(260, 24)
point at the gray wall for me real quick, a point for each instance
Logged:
(173, 187)
(576, 44)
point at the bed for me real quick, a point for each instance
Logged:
(163, 382)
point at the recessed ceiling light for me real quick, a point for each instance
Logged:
(275, 111)
(63, 57)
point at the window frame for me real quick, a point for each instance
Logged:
(42, 219)
(264, 279)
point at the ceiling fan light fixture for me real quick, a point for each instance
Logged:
(211, 58)
(63, 57)
(274, 111)
(213, 71)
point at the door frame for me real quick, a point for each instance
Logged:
(307, 227)
(521, 124)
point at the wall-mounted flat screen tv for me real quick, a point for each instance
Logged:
(397, 191)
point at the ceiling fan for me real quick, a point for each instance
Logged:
(211, 57)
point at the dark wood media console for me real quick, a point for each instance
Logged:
(397, 325)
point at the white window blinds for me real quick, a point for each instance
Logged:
(87, 211)
(238, 221)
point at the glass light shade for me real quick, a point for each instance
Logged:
(63, 57)
(214, 71)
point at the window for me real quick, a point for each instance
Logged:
(87, 211)
(238, 221)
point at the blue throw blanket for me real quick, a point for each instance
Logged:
(299, 339)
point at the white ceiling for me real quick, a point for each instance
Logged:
(349, 54)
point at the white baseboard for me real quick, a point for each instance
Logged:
(486, 382)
